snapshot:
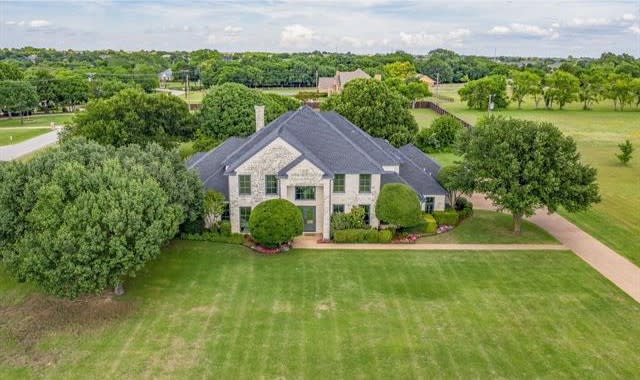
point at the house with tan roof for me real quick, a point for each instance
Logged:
(320, 162)
(335, 84)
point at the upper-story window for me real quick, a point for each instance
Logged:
(271, 185)
(305, 193)
(244, 184)
(338, 183)
(364, 183)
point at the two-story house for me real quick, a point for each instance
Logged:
(317, 160)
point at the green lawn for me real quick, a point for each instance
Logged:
(491, 228)
(615, 221)
(13, 136)
(37, 120)
(205, 310)
(424, 116)
(287, 91)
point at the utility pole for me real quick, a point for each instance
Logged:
(490, 106)
(437, 87)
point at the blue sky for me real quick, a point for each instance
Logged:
(525, 28)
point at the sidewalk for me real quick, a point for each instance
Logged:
(622, 272)
(305, 243)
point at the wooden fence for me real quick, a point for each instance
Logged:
(439, 110)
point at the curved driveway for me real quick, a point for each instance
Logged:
(11, 152)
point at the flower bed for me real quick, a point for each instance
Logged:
(253, 245)
(406, 239)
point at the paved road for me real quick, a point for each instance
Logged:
(11, 152)
(622, 272)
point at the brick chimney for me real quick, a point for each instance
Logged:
(259, 117)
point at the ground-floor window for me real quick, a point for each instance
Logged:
(338, 208)
(428, 205)
(225, 213)
(245, 213)
(367, 214)
(305, 193)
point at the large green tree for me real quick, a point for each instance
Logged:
(523, 84)
(83, 217)
(71, 89)
(560, 87)
(478, 92)
(376, 108)
(228, 110)
(133, 117)
(523, 165)
(45, 82)
(17, 96)
(10, 71)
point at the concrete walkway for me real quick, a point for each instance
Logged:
(11, 152)
(622, 272)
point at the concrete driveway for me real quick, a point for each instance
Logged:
(11, 152)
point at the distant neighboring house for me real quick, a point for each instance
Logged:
(426, 79)
(335, 84)
(320, 162)
(166, 75)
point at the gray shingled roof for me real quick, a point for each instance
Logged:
(327, 140)
(347, 76)
(209, 165)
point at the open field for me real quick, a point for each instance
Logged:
(489, 227)
(37, 120)
(10, 136)
(287, 91)
(209, 310)
(615, 221)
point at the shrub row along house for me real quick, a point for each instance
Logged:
(319, 161)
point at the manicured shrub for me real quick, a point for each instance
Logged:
(363, 236)
(225, 228)
(215, 237)
(275, 222)
(449, 218)
(353, 219)
(464, 208)
(399, 205)
(430, 224)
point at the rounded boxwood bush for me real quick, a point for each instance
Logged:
(275, 222)
(399, 205)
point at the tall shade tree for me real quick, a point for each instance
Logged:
(400, 70)
(71, 89)
(635, 90)
(146, 77)
(455, 180)
(560, 87)
(477, 93)
(45, 84)
(523, 165)
(523, 84)
(133, 117)
(10, 71)
(376, 108)
(83, 217)
(17, 96)
(228, 110)
(592, 84)
(619, 89)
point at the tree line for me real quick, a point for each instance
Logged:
(617, 80)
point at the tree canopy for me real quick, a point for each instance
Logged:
(376, 108)
(83, 217)
(17, 96)
(133, 117)
(228, 110)
(476, 93)
(523, 165)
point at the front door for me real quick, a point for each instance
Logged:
(309, 218)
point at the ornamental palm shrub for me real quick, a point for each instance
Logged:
(83, 217)
(275, 222)
(399, 205)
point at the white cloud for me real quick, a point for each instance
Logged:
(211, 38)
(232, 29)
(454, 37)
(351, 41)
(635, 28)
(589, 22)
(296, 35)
(628, 17)
(39, 23)
(523, 30)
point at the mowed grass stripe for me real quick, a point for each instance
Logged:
(468, 314)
